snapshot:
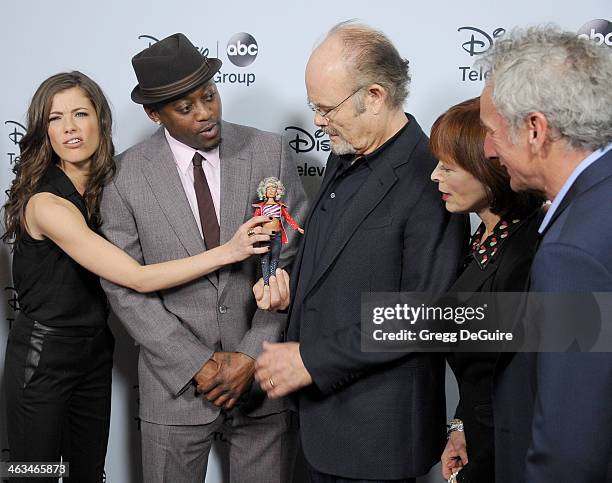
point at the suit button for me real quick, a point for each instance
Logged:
(222, 309)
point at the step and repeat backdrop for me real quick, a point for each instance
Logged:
(264, 47)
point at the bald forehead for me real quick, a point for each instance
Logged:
(328, 59)
(329, 52)
(332, 45)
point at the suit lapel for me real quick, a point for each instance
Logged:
(236, 164)
(473, 278)
(367, 198)
(600, 170)
(162, 176)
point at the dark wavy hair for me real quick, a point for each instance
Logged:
(458, 135)
(37, 154)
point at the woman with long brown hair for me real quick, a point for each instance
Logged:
(59, 350)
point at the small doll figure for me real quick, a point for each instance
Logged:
(270, 190)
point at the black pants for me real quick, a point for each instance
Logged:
(315, 476)
(58, 394)
(480, 438)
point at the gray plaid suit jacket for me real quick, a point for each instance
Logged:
(146, 213)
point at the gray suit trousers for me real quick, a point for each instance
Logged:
(254, 450)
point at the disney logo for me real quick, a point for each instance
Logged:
(16, 134)
(152, 40)
(304, 142)
(480, 41)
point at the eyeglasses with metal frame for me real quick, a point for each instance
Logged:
(325, 114)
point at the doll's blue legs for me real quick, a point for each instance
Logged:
(269, 261)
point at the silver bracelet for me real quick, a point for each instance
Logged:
(454, 425)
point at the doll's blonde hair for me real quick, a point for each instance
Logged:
(271, 181)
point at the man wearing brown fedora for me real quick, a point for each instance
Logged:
(184, 190)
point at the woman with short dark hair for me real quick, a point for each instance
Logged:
(498, 259)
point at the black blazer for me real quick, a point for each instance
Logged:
(553, 410)
(508, 271)
(376, 415)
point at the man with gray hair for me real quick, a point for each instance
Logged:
(547, 109)
(377, 225)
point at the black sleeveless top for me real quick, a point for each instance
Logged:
(52, 288)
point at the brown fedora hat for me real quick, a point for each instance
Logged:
(169, 68)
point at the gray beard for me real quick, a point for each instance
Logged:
(341, 148)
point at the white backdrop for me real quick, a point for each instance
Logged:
(264, 88)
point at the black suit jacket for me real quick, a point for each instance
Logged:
(376, 415)
(554, 409)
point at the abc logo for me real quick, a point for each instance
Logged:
(599, 31)
(242, 49)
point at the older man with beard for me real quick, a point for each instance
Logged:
(377, 225)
